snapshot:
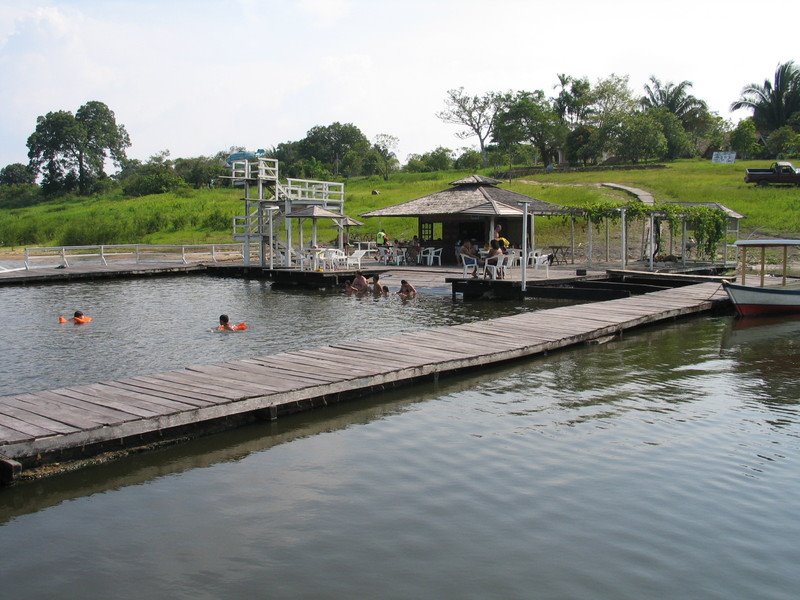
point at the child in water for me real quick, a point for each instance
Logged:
(78, 318)
(406, 290)
(225, 325)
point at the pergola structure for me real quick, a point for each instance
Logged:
(266, 197)
(471, 209)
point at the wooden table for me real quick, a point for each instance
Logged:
(561, 254)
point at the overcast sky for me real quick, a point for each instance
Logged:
(195, 77)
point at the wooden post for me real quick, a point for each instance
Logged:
(589, 240)
(608, 241)
(785, 257)
(763, 263)
(572, 237)
(624, 235)
(744, 263)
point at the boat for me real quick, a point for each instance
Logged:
(752, 300)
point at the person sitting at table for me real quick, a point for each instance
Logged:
(494, 255)
(468, 250)
(503, 243)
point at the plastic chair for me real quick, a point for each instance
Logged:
(436, 255)
(542, 260)
(494, 269)
(354, 260)
(425, 256)
(512, 258)
(469, 262)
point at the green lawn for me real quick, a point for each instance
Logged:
(204, 216)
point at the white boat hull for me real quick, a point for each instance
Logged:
(752, 301)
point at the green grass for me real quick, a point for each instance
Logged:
(204, 216)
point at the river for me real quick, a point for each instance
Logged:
(660, 465)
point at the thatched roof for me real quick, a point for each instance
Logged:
(473, 195)
(314, 212)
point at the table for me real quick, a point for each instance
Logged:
(561, 254)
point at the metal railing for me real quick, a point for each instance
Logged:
(60, 256)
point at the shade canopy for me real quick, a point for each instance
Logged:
(313, 212)
(470, 196)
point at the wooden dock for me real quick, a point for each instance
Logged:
(76, 422)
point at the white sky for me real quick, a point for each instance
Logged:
(195, 77)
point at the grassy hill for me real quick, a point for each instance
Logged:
(204, 216)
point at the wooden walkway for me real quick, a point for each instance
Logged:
(73, 422)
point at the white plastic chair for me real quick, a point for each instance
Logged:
(469, 262)
(494, 269)
(435, 255)
(425, 256)
(354, 260)
(334, 258)
(542, 260)
(512, 258)
(399, 256)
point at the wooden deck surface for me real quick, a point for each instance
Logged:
(37, 427)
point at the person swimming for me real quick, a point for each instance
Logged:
(78, 318)
(225, 324)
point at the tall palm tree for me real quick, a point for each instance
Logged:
(773, 103)
(675, 98)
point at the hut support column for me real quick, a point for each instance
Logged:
(524, 263)
(272, 245)
(651, 250)
(608, 242)
(589, 242)
(683, 241)
(572, 238)
(624, 235)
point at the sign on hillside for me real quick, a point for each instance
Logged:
(723, 157)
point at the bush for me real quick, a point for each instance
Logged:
(151, 178)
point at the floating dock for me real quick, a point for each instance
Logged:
(78, 422)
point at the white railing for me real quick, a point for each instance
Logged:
(306, 192)
(60, 256)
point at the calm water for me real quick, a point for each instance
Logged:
(146, 326)
(662, 465)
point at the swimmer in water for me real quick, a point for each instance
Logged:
(225, 325)
(78, 319)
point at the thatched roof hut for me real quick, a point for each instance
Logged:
(470, 209)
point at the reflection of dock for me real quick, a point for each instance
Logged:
(74, 422)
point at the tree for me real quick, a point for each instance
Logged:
(329, 144)
(476, 113)
(200, 171)
(581, 145)
(573, 103)
(469, 159)
(383, 154)
(529, 117)
(17, 173)
(641, 138)
(678, 145)
(156, 176)
(784, 142)
(72, 149)
(674, 98)
(613, 99)
(744, 139)
(773, 103)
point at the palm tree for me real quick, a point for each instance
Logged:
(674, 98)
(773, 103)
